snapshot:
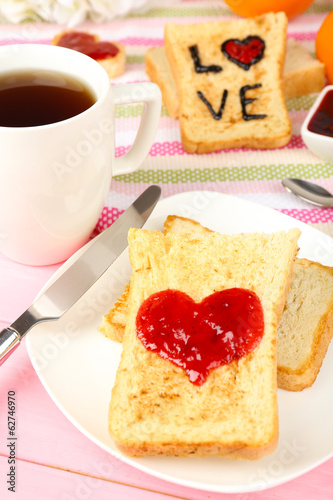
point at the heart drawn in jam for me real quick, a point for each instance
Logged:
(245, 52)
(199, 337)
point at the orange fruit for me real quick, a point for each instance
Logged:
(250, 8)
(324, 45)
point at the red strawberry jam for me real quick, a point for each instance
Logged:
(322, 121)
(245, 52)
(86, 43)
(199, 337)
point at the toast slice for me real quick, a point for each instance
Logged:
(110, 55)
(304, 331)
(155, 409)
(302, 74)
(306, 326)
(159, 72)
(228, 104)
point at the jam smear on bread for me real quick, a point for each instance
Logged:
(245, 101)
(199, 337)
(217, 115)
(245, 52)
(87, 44)
(199, 68)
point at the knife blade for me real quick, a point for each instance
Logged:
(82, 274)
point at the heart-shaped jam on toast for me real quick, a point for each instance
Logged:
(245, 52)
(199, 337)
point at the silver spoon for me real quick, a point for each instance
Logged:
(309, 192)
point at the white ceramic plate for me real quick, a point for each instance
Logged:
(71, 357)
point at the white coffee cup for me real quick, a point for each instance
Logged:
(54, 178)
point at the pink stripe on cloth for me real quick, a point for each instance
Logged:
(314, 215)
(174, 148)
(107, 217)
(130, 40)
(12, 41)
(149, 42)
(143, 41)
(303, 36)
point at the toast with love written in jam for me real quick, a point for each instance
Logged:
(228, 76)
(197, 376)
(302, 74)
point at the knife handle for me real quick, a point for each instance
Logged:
(9, 341)
(10, 337)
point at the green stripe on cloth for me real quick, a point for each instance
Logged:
(133, 111)
(134, 59)
(182, 11)
(258, 173)
(302, 103)
(319, 8)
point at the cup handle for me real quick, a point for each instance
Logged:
(150, 95)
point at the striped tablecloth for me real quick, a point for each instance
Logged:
(250, 174)
(253, 175)
(55, 460)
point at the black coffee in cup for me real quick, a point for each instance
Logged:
(32, 98)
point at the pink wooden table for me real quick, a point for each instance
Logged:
(53, 460)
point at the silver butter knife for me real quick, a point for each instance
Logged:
(82, 274)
